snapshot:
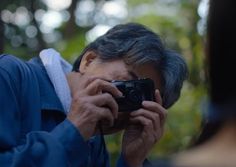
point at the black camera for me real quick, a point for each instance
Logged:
(134, 92)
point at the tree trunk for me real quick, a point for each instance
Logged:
(42, 44)
(71, 27)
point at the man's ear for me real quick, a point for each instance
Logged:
(87, 59)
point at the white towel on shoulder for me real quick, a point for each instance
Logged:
(57, 68)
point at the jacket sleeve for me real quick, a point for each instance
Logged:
(121, 162)
(63, 146)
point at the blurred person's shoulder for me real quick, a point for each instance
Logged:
(205, 156)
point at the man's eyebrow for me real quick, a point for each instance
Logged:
(133, 75)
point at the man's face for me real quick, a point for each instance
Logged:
(117, 70)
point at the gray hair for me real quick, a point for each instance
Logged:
(137, 45)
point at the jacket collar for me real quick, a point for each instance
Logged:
(49, 99)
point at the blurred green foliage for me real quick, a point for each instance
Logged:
(176, 21)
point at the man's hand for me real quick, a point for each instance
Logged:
(90, 105)
(145, 129)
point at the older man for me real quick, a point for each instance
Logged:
(52, 116)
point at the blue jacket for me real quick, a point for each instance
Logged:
(34, 130)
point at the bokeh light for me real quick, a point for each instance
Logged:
(57, 4)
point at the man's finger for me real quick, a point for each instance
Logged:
(154, 117)
(158, 97)
(104, 114)
(105, 100)
(145, 122)
(99, 86)
(157, 108)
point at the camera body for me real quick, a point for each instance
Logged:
(134, 92)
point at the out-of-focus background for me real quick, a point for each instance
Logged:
(27, 26)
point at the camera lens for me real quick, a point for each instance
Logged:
(135, 96)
